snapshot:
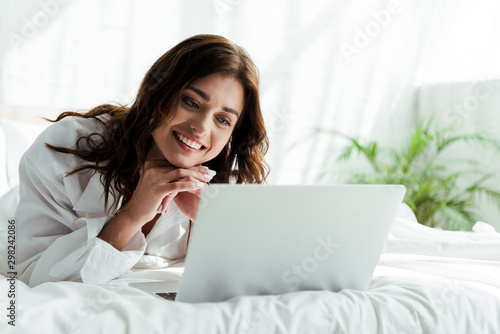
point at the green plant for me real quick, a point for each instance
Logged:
(441, 192)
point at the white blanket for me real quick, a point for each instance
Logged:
(427, 281)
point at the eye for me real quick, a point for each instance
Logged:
(191, 103)
(223, 121)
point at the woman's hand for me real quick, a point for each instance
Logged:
(159, 183)
(189, 201)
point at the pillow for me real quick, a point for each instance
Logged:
(405, 212)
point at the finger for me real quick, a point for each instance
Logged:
(172, 189)
(201, 173)
(180, 186)
(205, 170)
(198, 191)
(166, 207)
(165, 203)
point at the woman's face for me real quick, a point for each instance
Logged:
(204, 120)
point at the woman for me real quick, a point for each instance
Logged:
(103, 190)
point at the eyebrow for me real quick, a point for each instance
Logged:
(207, 98)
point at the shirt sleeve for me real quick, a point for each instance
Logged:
(57, 243)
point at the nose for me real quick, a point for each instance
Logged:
(199, 124)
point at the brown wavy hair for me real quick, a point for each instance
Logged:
(119, 153)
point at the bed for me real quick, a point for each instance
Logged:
(427, 281)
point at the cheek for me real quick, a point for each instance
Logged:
(224, 140)
(154, 134)
(219, 144)
(161, 136)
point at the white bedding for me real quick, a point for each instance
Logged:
(427, 281)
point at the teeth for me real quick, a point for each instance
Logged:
(188, 142)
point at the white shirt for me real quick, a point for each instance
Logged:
(59, 217)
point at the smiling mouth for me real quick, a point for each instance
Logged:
(188, 142)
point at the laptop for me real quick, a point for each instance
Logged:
(268, 239)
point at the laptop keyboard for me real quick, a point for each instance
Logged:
(167, 295)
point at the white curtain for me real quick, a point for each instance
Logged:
(354, 66)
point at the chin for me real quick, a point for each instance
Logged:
(183, 164)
